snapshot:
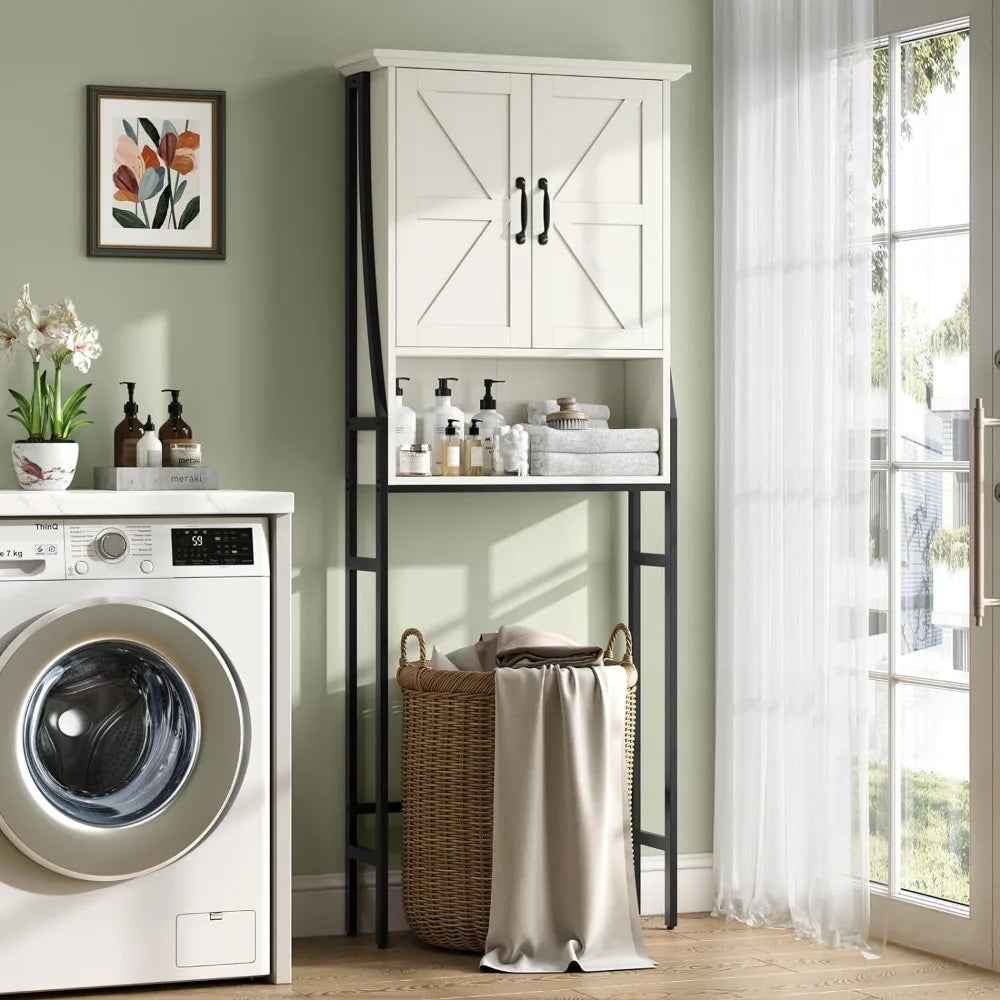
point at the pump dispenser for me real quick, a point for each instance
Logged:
(489, 420)
(173, 430)
(472, 452)
(451, 449)
(128, 432)
(406, 421)
(436, 420)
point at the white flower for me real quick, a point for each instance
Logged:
(44, 329)
(82, 344)
(8, 339)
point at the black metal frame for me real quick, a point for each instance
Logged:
(358, 205)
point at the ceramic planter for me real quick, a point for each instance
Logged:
(44, 465)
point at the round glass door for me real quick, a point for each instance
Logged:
(111, 733)
(123, 735)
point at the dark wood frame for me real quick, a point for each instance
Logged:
(218, 174)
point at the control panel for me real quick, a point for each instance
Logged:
(131, 548)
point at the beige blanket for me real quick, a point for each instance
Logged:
(563, 885)
(523, 645)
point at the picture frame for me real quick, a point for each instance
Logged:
(156, 173)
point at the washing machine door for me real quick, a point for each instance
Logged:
(123, 737)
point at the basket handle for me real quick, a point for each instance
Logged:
(420, 642)
(620, 629)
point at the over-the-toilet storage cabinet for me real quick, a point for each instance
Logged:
(521, 212)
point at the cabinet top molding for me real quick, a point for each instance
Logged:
(382, 58)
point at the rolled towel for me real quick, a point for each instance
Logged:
(539, 410)
(594, 441)
(554, 463)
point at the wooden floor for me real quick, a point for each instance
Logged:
(703, 958)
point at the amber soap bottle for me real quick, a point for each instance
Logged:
(128, 432)
(173, 430)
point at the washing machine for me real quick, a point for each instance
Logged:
(135, 778)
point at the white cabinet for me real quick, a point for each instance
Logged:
(597, 280)
(473, 154)
(462, 140)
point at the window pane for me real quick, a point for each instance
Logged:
(878, 573)
(932, 296)
(878, 781)
(932, 728)
(880, 141)
(932, 163)
(880, 354)
(934, 574)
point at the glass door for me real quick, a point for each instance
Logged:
(930, 768)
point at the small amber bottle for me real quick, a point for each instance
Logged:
(173, 429)
(128, 432)
(472, 464)
(451, 450)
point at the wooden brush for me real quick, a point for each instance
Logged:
(567, 417)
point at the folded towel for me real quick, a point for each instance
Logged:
(592, 441)
(538, 411)
(524, 646)
(554, 463)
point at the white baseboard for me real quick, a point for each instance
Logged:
(319, 901)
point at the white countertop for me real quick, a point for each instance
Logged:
(135, 503)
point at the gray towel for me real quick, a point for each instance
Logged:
(537, 411)
(560, 464)
(524, 646)
(593, 441)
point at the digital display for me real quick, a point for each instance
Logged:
(212, 546)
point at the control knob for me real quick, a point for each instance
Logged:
(111, 546)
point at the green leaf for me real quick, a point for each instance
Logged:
(179, 191)
(150, 130)
(161, 209)
(168, 126)
(190, 212)
(14, 415)
(128, 219)
(130, 132)
(76, 399)
(23, 406)
(151, 182)
(70, 429)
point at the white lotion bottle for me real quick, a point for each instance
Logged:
(148, 449)
(405, 430)
(436, 421)
(489, 420)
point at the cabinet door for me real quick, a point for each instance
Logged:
(462, 140)
(598, 281)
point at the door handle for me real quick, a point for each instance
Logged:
(523, 188)
(543, 186)
(980, 602)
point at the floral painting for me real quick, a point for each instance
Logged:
(156, 181)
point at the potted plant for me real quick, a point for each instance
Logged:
(52, 335)
(949, 557)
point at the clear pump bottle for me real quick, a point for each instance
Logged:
(451, 449)
(489, 420)
(473, 452)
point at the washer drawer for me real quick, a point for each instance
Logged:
(221, 937)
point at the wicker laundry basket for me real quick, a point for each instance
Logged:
(447, 772)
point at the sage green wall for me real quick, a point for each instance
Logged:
(256, 341)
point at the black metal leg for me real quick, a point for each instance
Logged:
(670, 713)
(351, 511)
(635, 626)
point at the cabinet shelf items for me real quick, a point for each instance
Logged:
(504, 212)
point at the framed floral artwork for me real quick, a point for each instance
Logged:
(156, 173)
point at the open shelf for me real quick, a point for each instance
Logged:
(525, 484)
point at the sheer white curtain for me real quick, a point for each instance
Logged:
(793, 124)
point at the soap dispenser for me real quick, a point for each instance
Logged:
(450, 456)
(173, 429)
(149, 451)
(436, 420)
(406, 421)
(128, 432)
(472, 452)
(489, 420)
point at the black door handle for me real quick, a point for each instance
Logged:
(523, 188)
(543, 186)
